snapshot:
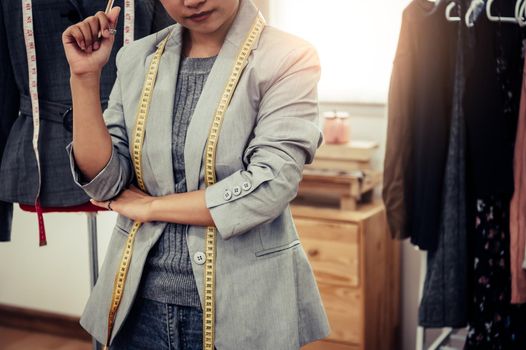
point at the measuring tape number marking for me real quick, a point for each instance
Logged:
(138, 139)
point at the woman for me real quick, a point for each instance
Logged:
(266, 295)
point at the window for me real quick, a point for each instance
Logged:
(356, 41)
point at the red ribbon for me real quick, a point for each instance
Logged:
(88, 207)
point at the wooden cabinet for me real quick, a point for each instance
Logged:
(357, 269)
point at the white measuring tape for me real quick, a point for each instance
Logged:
(29, 39)
(129, 21)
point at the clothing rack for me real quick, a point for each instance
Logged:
(447, 333)
(479, 6)
(93, 259)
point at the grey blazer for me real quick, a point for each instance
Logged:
(266, 293)
(18, 167)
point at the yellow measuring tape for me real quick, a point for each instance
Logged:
(210, 179)
(138, 138)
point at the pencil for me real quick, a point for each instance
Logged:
(109, 6)
(108, 9)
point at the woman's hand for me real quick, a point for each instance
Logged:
(85, 51)
(132, 203)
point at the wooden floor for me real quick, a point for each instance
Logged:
(16, 339)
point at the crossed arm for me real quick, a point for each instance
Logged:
(184, 208)
(93, 158)
(286, 138)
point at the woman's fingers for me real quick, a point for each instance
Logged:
(102, 204)
(89, 32)
(113, 16)
(88, 44)
(86, 31)
(104, 24)
(75, 33)
(94, 26)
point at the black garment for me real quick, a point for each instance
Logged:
(444, 300)
(8, 114)
(425, 63)
(486, 97)
(434, 47)
(6, 221)
(491, 102)
(495, 324)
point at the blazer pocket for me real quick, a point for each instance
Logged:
(278, 249)
(123, 225)
(121, 230)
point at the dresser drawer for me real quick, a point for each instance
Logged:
(344, 310)
(333, 250)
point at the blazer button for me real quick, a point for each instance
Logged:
(237, 190)
(227, 195)
(199, 258)
(246, 185)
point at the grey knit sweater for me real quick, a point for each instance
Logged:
(168, 276)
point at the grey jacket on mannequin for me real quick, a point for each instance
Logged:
(18, 167)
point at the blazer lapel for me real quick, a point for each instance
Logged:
(205, 109)
(160, 116)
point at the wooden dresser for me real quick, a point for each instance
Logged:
(357, 269)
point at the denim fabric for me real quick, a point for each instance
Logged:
(159, 326)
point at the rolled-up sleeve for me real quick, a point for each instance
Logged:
(286, 137)
(118, 172)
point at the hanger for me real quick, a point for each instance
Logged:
(450, 8)
(498, 18)
(520, 12)
(473, 6)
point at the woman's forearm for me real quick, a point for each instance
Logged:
(183, 208)
(92, 145)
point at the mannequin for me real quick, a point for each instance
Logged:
(38, 176)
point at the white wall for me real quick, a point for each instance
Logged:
(55, 277)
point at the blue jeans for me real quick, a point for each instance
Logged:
(159, 326)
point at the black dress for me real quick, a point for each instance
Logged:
(491, 102)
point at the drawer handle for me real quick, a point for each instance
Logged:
(313, 252)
